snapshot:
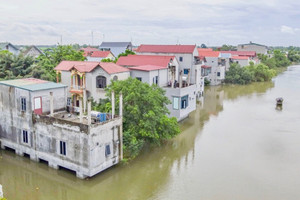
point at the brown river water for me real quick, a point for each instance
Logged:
(235, 146)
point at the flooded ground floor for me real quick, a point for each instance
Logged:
(236, 145)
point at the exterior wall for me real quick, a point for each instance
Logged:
(253, 47)
(215, 68)
(242, 63)
(179, 113)
(99, 93)
(33, 53)
(141, 74)
(66, 80)
(97, 59)
(13, 50)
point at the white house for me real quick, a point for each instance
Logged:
(163, 71)
(99, 55)
(188, 59)
(32, 51)
(215, 65)
(115, 47)
(9, 47)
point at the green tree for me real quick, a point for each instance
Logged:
(52, 57)
(12, 66)
(145, 114)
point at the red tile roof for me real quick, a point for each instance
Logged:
(100, 54)
(89, 49)
(205, 49)
(112, 68)
(145, 48)
(205, 66)
(138, 60)
(209, 53)
(241, 53)
(240, 57)
(147, 68)
(88, 66)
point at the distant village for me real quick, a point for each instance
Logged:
(54, 122)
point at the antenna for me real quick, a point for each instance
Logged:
(60, 39)
(92, 38)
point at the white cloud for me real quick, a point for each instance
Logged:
(288, 29)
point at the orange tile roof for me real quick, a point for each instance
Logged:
(147, 68)
(166, 48)
(209, 53)
(138, 60)
(88, 66)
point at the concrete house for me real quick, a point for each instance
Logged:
(32, 51)
(188, 59)
(115, 47)
(243, 58)
(163, 71)
(34, 122)
(88, 79)
(258, 48)
(93, 54)
(215, 66)
(9, 47)
(99, 55)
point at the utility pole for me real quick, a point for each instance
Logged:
(60, 39)
(92, 38)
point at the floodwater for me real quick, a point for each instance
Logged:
(236, 145)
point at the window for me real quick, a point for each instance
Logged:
(69, 101)
(218, 73)
(101, 82)
(107, 150)
(184, 102)
(139, 78)
(155, 80)
(115, 78)
(186, 71)
(62, 148)
(175, 103)
(23, 104)
(25, 136)
(180, 59)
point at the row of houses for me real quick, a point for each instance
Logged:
(53, 122)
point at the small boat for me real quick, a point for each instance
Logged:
(279, 101)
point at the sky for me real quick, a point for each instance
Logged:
(210, 22)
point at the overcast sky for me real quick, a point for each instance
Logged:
(212, 22)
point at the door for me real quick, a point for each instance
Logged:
(38, 105)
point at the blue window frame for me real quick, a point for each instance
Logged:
(184, 102)
(107, 150)
(186, 71)
(180, 59)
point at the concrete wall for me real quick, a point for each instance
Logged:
(241, 62)
(253, 47)
(181, 114)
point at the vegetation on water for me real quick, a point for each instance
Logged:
(144, 114)
(265, 71)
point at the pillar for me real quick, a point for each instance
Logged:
(180, 79)
(80, 110)
(189, 77)
(72, 81)
(112, 104)
(51, 104)
(121, 104)
(89, 112)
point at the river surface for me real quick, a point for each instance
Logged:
(235, 146)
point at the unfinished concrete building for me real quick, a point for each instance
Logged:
(34, 122)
